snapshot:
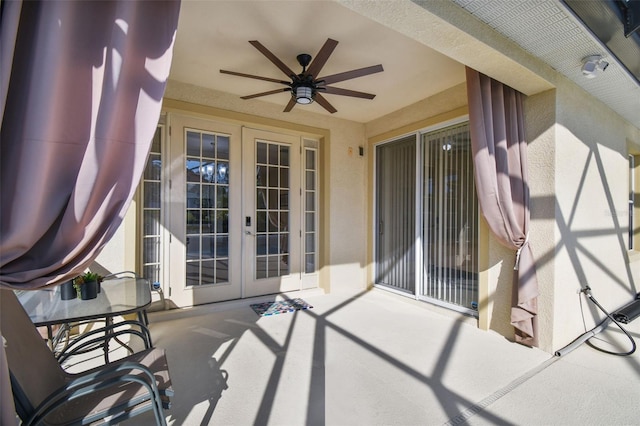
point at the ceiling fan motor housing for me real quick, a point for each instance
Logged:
(304, 59)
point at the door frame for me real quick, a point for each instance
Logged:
(416, 294)
(175, 216)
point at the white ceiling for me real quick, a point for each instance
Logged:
(214, 35)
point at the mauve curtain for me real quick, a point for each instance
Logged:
(82, 85)
(82, 105)
(500, 160)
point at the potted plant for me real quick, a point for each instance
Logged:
(87, 285)
(68, 290)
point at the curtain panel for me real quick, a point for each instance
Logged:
(86, 81)
(82, 86)
(500, 160)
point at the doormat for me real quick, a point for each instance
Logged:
(280, 307)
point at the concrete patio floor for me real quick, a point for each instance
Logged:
(375, 358)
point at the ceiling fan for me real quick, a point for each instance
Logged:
(306, 86)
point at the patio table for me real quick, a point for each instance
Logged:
(117, 297)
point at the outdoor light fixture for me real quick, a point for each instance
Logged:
(304, 95)
(592, 64)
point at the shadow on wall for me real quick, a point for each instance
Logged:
(591, 242)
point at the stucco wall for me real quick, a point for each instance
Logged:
(591, 211)
(120, 253)
(540, 117)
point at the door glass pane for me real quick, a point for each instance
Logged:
(151, 195)
(154, 165)
(151, 212)
(272, 209)
(208, 146)
(450, 217)
(395, 214)
(222, 147)
(151, 221)
(207, 203)
(310, 197)
(193, 144)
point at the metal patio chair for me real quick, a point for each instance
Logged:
(45, 394)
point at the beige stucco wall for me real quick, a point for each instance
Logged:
(120, 254)
(591, 217)
(541, 135)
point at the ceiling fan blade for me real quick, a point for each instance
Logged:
(270, 92)
(348, 75)
(277, 62)
(324, 103)
(290, 105)
(346, 92)
(322, 57)
(257, 77)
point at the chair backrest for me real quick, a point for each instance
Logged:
(31, 363)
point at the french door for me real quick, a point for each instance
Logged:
(235, 212)
(426, 217)
(205, 206)
(271, 212)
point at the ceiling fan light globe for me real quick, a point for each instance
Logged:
(304, 95)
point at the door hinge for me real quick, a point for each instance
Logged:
(169, 291)
(169, 130)
(170, 183)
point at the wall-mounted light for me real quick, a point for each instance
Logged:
(593, 64)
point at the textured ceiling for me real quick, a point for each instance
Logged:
(214, 35)
(548, 30)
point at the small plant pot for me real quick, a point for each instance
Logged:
(89, 290)
(68, 291)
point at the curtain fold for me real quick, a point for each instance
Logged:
(82, 104)
(500, 160)
(81, 91)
